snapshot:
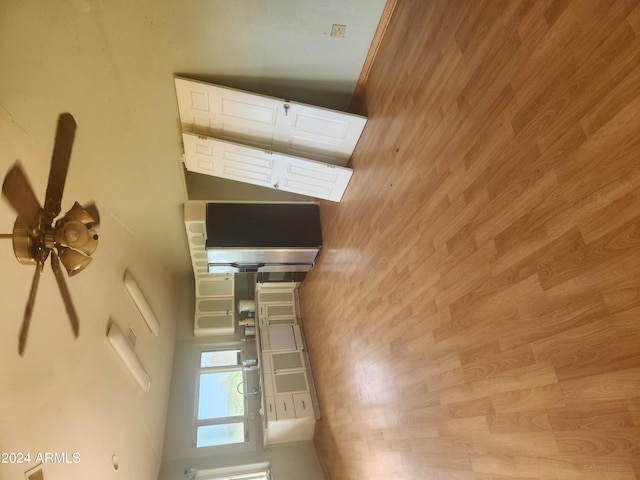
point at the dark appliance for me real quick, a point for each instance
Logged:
(280, 242)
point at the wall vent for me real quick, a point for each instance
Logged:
(34, 474)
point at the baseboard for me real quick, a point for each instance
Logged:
(321, 460)
(387, 12)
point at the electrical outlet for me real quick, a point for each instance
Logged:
(338, 30)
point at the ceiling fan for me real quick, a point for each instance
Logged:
(38, 232)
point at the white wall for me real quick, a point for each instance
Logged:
(288, 461)
(112, 64)
(71, 395)
(281, 49)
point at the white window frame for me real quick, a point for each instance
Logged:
(240, 472)
(221, 420)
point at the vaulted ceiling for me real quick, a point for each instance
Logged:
(111, 64)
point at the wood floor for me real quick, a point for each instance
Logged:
(476, 310)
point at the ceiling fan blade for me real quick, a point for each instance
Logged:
(64, 291)
(17, 190)
(65, 134)
(28, 311)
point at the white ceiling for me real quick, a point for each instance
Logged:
(111, 64)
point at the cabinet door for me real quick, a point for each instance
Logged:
(277, 314)
(222, 305)
(275, 311)
(264, 168)
(267, 122)
(214, 316)
(276, 296)
(277, 307)
(194, 220)
(290, 382)
(287, 360)
(213, 324)
(214, 285)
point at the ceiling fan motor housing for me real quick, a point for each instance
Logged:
(25, 246)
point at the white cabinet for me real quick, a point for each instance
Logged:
(214, 309)
(281, 337)
(282, 361)
(268, 123)
(276, 307)
(194, 223)
(277, 314)
(212, 285)
(290, 382)
(289, 413)
(214, 316)
(303, 405)
(276, 295)
(214, 303)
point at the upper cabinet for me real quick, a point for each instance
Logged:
(196, 228)
(270, 123)
(264, 168)
(266, 141)
(214, 307)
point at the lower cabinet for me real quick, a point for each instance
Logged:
(289, 415)
(290, 418)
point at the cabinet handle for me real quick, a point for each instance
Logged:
(285, 406)
(270, 408)
(304, 406)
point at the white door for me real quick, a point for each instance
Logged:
(266, 168)
(267, 122)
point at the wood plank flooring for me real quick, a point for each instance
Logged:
(475, 313)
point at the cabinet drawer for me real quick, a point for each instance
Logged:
(285, 407)
(270, 405)
(303, 405)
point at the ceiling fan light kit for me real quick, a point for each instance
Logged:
(37, 235)
(73, 261)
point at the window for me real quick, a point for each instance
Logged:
(220, 411)
(230, 473)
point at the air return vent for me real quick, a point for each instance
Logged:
(34, 474)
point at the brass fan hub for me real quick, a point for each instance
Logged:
(26, 242)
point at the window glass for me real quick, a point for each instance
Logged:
(219, 396)
(220, 358)
(220, 415)
(220, 434)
